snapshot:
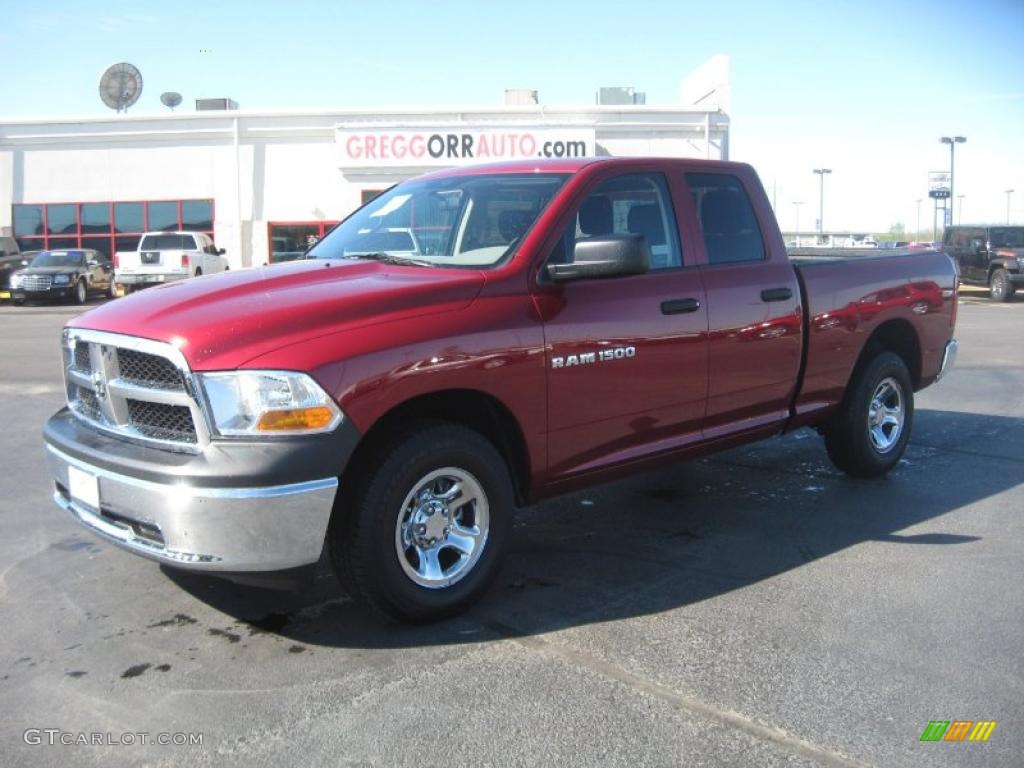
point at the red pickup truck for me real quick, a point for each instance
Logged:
(469, 342)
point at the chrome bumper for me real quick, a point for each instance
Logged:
(948, 357)
(206, 529)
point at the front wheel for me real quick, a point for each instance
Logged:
(81, 292)
(999, 285)
(112, 290)
(867, 436)
(423, 535)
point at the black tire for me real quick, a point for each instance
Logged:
(999, 286)
(198, 273)
(849, 434)
(363, 539)
(81, 292)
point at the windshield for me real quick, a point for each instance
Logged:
(58, 259)
(1008, 237)
(462, 221)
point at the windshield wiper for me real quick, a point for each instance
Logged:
(390, 258)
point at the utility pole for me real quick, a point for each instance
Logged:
(821, 200)
(917, 232)
(797, 204)
(1009, 194)
(960, 211)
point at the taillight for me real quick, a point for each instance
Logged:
(184, 260)
(117, 260)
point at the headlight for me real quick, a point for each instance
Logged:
(268, 403)
(16, 279)
(61, 279)
(1020, 262)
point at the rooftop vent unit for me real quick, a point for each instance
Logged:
(518, 97)
(620, 96)
(212, 105)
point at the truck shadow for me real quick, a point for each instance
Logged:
(677, 536)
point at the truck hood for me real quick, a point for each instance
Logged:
(222, 321)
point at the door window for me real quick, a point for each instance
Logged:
(727, 221)
(635, 204)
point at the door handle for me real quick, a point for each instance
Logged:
(679, 306)
(776, 294)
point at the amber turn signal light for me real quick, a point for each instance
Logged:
(296, 419)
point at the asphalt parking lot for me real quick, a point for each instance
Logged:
(754, 608)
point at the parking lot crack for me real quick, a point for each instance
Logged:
(724, 717)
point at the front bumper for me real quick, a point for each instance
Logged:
(242, 507)
(62, 292)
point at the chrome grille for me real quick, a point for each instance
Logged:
(36, 282)
(82, 358)
(134, 388)
(161, 421)
(149, 370)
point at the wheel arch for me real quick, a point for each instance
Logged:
(471, 408)
(896, 335)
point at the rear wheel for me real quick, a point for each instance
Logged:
(999, 285)
(81, 291)
(422, 536)
(868, 435)
(198, 273)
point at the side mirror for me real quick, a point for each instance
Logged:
(221, 251)
(604, 256)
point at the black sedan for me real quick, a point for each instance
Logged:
(71, 274)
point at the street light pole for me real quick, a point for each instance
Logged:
(960, 212)
(1009, 193)
(797, 204)
(952, 141)
(821, 200)
(917, 232)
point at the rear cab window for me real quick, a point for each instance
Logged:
(167, 243)
(728, 223)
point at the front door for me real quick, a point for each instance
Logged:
(626, 357)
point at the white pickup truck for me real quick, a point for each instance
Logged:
(165, 256)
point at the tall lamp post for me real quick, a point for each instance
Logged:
(1009, 194)
(797, 204)
(952, 141)
(821, 200)
(917, 232)
(960, 210)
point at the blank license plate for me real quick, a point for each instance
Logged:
(85, 488)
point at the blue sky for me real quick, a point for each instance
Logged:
(865, 87)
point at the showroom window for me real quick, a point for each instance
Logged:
(289, 240)
(108, 226)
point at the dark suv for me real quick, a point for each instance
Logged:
(988, 255)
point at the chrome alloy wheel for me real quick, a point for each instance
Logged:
(886, 415)
(442, 528)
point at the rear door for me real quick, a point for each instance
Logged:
(755, 323)
(627, 357)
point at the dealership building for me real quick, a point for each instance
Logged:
(266, 184)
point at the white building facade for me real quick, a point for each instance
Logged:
(265, 185)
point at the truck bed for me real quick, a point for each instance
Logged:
(849, 293)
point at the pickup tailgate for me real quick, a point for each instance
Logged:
(848, 297)
(151, 263)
